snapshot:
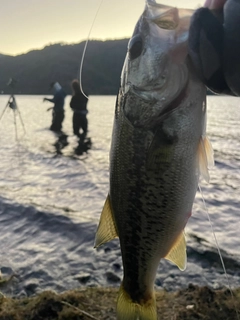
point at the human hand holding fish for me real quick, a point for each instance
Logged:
(159, 149)
(214, 45)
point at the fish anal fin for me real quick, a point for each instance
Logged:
(205, 157)
(127, 309)
(106, 230)
(178, 254)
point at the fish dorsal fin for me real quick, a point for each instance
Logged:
(178, 254)
(106, 230)
(205, 157)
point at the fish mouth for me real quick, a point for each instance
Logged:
(146, 93)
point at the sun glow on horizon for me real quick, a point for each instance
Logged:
(32, 25)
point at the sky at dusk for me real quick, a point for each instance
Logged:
(32, 24)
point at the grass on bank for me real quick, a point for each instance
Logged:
(99, 304)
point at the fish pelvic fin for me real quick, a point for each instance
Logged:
(129, 310)
(106, 230)
(178, 253)
(205, 157)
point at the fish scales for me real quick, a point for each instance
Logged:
(158, 151)
(145, 194)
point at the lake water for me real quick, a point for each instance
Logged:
(50, 203)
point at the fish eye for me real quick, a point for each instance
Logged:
(135, 47)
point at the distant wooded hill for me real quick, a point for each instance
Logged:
(36, 69)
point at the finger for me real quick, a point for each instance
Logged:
(214, 4)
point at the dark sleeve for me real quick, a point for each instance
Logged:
(214, 47)
(206, 49)
(232, 45)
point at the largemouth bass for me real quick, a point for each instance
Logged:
(159, 148)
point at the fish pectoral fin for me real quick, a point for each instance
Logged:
(159, 158)
(178, 254)
(160, 151)
(130, 310)
(205, 157)
(106, 230)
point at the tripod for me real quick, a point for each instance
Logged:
(12, 104)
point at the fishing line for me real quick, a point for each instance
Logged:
(219, 251)
(85, 48)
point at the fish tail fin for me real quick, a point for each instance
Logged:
(129, 310)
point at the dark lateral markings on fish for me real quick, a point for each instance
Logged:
(159, 149)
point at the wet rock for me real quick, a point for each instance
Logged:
(30, 288)
(92, 285)
(169, 281)
(6, 270)
(191, 287)
(158, 282)
(83, 277)
(112, 277)
(22, 294)
(117, 266)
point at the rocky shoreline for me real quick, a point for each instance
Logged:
(99, 304)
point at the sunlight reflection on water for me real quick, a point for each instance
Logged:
(51, 203)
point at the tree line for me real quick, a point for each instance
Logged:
(35, 70)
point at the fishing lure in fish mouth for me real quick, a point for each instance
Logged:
(159, 148)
